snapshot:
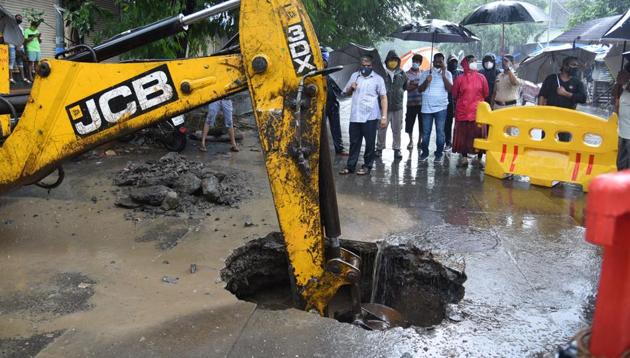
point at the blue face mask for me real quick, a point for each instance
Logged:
(415, 66)
(366, 71)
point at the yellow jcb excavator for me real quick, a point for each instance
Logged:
(77, 103)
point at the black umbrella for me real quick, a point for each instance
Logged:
(350, 58)
(588, 32)
(537, 68)
(435, 31)
(505, 12)
(620, 31)
(10, 29)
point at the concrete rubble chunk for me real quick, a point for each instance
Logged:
(152, 195)
(172, 157)
(211, 189)
(197, 186)
(171, 201)
(124, 201)
(187, 183)
(208, 172)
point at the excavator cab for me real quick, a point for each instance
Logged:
(78, 103)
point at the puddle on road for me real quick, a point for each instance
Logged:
(415, 282)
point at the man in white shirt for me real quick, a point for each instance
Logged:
(367, 89)
(435, 87)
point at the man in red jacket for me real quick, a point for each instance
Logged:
(468, 90)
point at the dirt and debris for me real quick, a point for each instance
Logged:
(18, 347)
(258, 265)
(168, 233)
(63, 294)
(418, 284)
(174, 185)
(170, 279)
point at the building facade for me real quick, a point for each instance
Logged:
(49, 27)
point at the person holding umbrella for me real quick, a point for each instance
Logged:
(565, 88)
(506, 89)
(435, 86)
(368, 91)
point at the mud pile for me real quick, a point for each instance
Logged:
(174, 185)
(415, 282)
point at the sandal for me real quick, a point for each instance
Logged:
(345, 171)
(363, 171)
(234, 149)
(203, 149)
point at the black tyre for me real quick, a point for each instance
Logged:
(175, 141)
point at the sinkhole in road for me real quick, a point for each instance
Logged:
(415, 282)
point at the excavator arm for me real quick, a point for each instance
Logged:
(75, 106)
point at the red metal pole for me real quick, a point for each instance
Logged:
(608, 225)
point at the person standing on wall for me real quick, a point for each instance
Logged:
(32, 44)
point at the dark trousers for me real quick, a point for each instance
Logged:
(623, 155)
(413, 112)
(448, 125)
(332, 113)
(358, 132)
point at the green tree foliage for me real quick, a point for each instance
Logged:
(137, 13)
(32, 15)
(82, 16)
(593, 9)
(339, 22)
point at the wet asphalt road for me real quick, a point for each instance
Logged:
(531, 276)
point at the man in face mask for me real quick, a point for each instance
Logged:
(16, 56)
(435, 86)
(507, 87)
(332, 109)
(451, 65)
(395, 84)
(564, 89)
(368, 91)
(414, 99)
(490, 71)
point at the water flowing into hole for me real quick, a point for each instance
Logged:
(413, 281)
